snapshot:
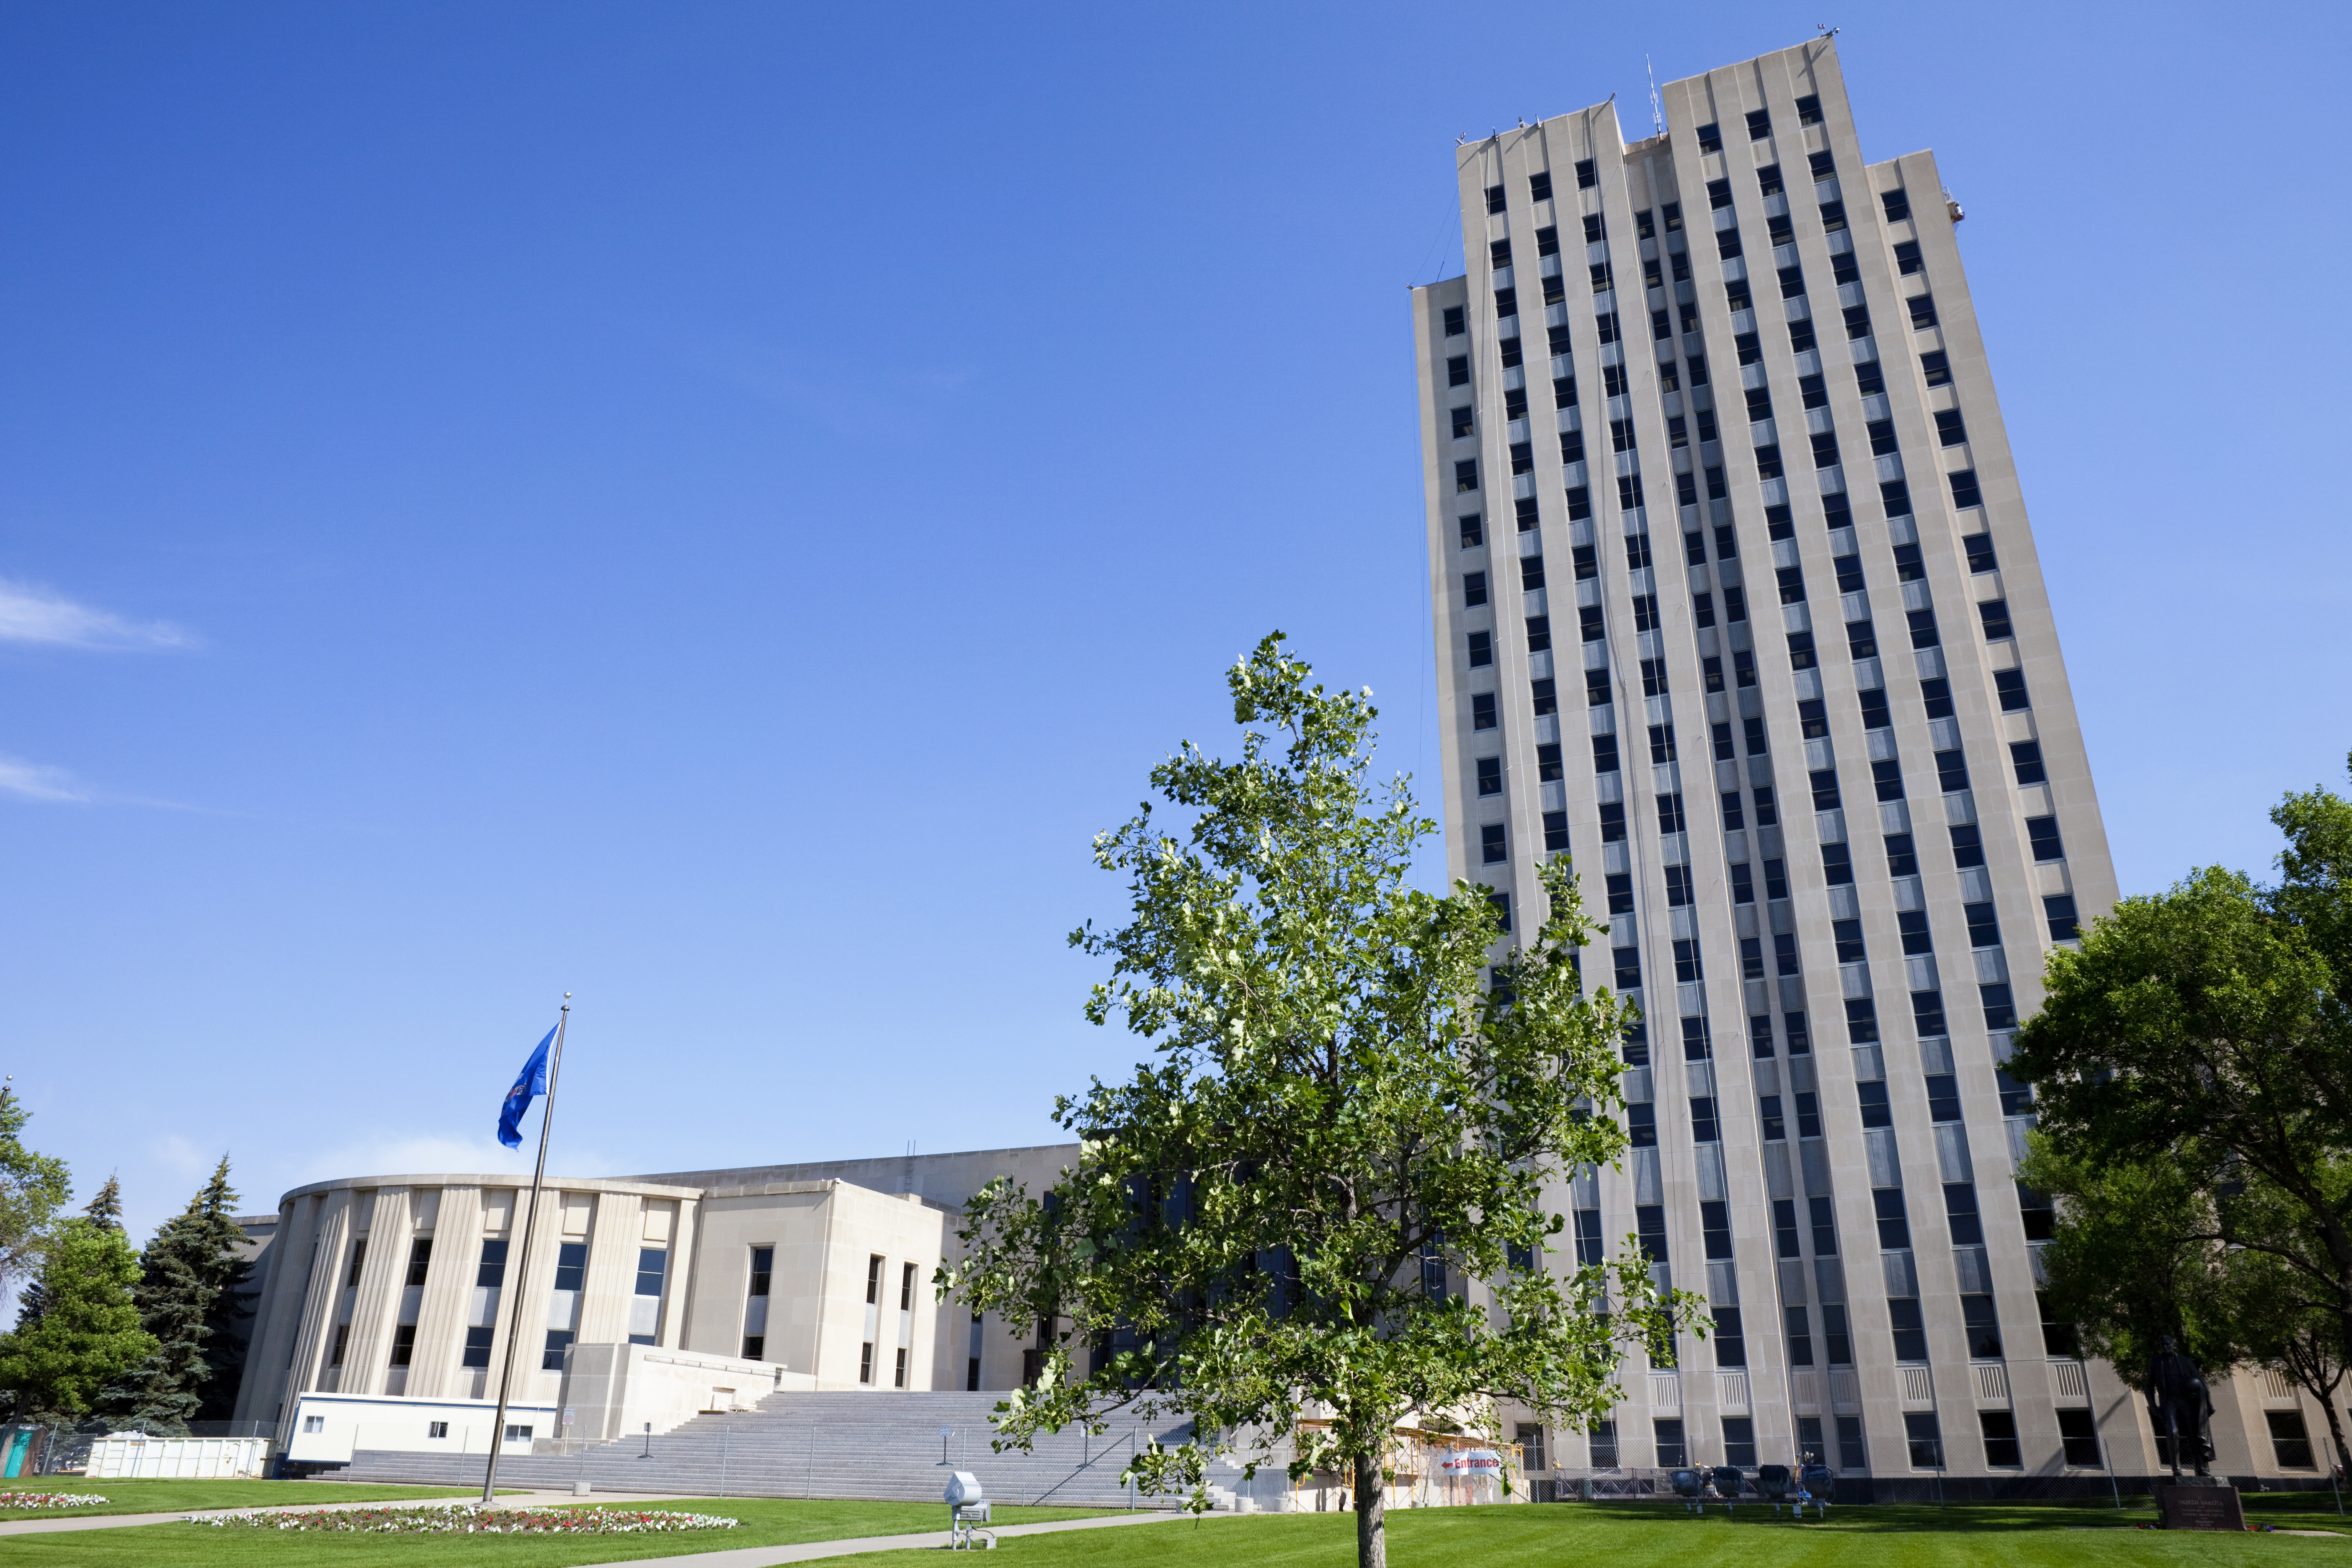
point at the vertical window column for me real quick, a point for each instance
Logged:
(906, 1322)
(563, 1304)
(645, 1306)
(872, 1318)
(482, 1312)
(755, 1304)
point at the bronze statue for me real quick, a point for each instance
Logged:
(2178, 1405)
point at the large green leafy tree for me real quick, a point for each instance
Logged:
(2193, 1068)
(87, 1332)
(1347, 1118)
(33, 1187)
(185, 1276)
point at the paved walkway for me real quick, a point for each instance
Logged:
(767, 1556)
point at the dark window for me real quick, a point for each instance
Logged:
(2040, 1218)
(1964, 493)
(1466, 476)
(1872, 1099)
(1911, 925)
(1662, 743)
(1501, 902)
(1627, 967)
(571, 1265)
(2078, 1431)
(1532, 573)
(1474, 589)
(2010, 685)
(1710, 138)
(1894, 1225)
(1545, 696)
(1857, 321)
(1688, 971)
(1809, 110)
(1792, 282)
(1951, 429)
(1995, 615)
(1495, 199)
(2000, 1009)
(1604, 753)
(1759, 124)
(1768, 180)
(2000, 1427)
(1902, 860)
(1847, 936)
(403, 1344)
(1799, 1330)
(1923, 628)
(1587, 176)
(2059, 909)
(1825, 790)
(1861, 1021)
(1768, 467)
(2043, 833)
(1554, 830)
(1490, 844)
(1861, 640)
(1642, 1130)
(1539, 634)
(1719, 193)
(1751, 947)
(1508, 349)
(1895, 498)
(1490, 775)
(1923, 312)
(476, 1354)
(1743, 891)
(1979, 552)
(1966, 1225)
(2026, 756)
(1474, 532)
(559, 1341)
(1619, 887)
(1776, 1130)
(1927, 1013)
(1968, 846)
(1454, 323)
(1726, 748)
(1943, 1097)
(1874, 714)
(1825, 455)
(1482, 649)
(1784, 943)
(1809, 1125)
(1588, 1236)
(1482, 711)
(1821, 1212)
(1612, 821)
(1704, 1130)
(1776, 886)
(1937, 368)
(1791, 581)
(1670, 813)
(1540, 185)
(1897, 205)
(1523, 456)
(1907, 257)
(1457, 370)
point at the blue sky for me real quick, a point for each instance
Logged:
(711, 507)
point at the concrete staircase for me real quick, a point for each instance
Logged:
(877, 1447)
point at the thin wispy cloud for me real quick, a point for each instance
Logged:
(30, 613)
(32, 781)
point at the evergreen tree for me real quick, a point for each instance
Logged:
(106, 1209)
(87, 1332)
(185, 1276)
(33, 1187)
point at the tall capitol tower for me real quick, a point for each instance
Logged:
(1736, 604)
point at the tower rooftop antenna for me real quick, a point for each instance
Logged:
(1657, 115)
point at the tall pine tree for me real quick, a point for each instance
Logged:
(186, 1277)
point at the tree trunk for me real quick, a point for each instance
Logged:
(1371, 1517)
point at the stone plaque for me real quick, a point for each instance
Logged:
(2208, 1507)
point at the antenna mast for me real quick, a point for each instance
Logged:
(1657, 115)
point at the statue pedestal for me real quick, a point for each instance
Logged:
(2198, 1502)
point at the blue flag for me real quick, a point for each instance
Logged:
(527, 1088)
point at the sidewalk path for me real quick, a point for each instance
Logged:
(807, 1552)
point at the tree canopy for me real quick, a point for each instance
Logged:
(1359, 1094)
(186, 1274)
(87, 1331)
(2192, 1069)
(33, 1187)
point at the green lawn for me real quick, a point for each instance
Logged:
(1625, 1535)
(765, 1523)
(1636, 1535)
(172, 1497)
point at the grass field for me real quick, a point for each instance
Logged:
(172, 1497)
(1623, 1535)
(765, 1523)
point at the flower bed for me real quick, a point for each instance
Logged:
(50, 1499)
(468, 1519)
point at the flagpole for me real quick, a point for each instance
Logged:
(522, 1265)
